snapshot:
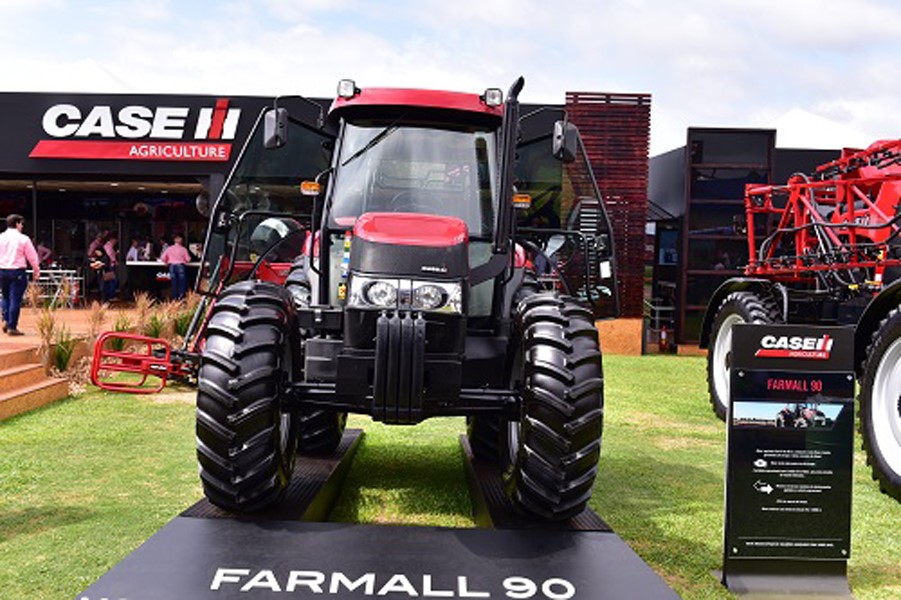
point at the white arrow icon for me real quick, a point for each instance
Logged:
(762, 487)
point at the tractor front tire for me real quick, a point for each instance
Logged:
(555, 446)
(319, 431)
(880, 405)
(736, 308)
(245, 440)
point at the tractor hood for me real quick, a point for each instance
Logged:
(412, 244)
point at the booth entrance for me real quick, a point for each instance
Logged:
(65, 216)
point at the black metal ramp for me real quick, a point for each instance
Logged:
(311, 494)
(490, 507)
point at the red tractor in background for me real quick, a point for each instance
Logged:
(826, 249)
(409, 255)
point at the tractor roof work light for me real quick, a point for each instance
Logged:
(493, 97)
(347, 88)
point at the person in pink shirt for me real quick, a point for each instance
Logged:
(16, 253)
(177, 256)
(110, 283)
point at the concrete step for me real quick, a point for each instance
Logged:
(20, 376)
(32, 396)
(14, 355)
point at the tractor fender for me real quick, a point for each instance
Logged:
(738, 284)
(888, 299)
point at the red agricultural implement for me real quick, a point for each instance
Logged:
(825, 248)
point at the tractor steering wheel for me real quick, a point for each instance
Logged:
(403, 201)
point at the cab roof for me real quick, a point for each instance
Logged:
(390, 97)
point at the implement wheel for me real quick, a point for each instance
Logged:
(880, 405)
(555, 446)
(245, 440)
(737, 307)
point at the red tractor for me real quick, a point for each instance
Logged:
(826, 249)
(410, 254)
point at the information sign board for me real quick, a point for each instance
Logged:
(789, 453)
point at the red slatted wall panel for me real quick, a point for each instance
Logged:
(615, 129)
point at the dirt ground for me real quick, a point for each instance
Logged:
(77, 320)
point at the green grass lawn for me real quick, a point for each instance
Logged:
(85, 481)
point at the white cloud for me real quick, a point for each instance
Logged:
(705, 62)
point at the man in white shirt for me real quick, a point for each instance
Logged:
(16, 252)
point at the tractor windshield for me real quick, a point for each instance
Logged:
(391, 167)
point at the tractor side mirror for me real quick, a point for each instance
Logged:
(565, 141)
(275, 128)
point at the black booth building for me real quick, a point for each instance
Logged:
(134, 165)
(696, 199)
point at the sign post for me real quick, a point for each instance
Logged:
(789, 460)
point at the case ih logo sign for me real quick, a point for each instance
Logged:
(139, 133)
(813, 348)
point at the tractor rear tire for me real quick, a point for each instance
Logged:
(555, 447)
(319, 431)
(736, 308)
(484, 433)
(298, 284)
(245, 440)
(880, 405)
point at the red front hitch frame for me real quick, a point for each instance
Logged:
(140, 365)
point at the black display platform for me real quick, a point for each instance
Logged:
(207, 553)
(198, 559)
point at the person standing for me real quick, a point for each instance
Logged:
(16, 252)
(97, 242)
(110, 275)
(134, 252)
(100, 264)
(45, 254)
(177, 256)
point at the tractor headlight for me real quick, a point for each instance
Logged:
(372, 292)
(446, 297)
(428, 297)
(381, 293)
(442, 297)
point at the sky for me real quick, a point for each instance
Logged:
(721, 63)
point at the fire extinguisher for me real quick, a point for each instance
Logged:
(663, 342)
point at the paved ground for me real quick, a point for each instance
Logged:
(76, 319)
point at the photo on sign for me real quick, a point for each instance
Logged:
(791, 415)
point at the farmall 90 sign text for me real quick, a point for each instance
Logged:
(138, 133)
